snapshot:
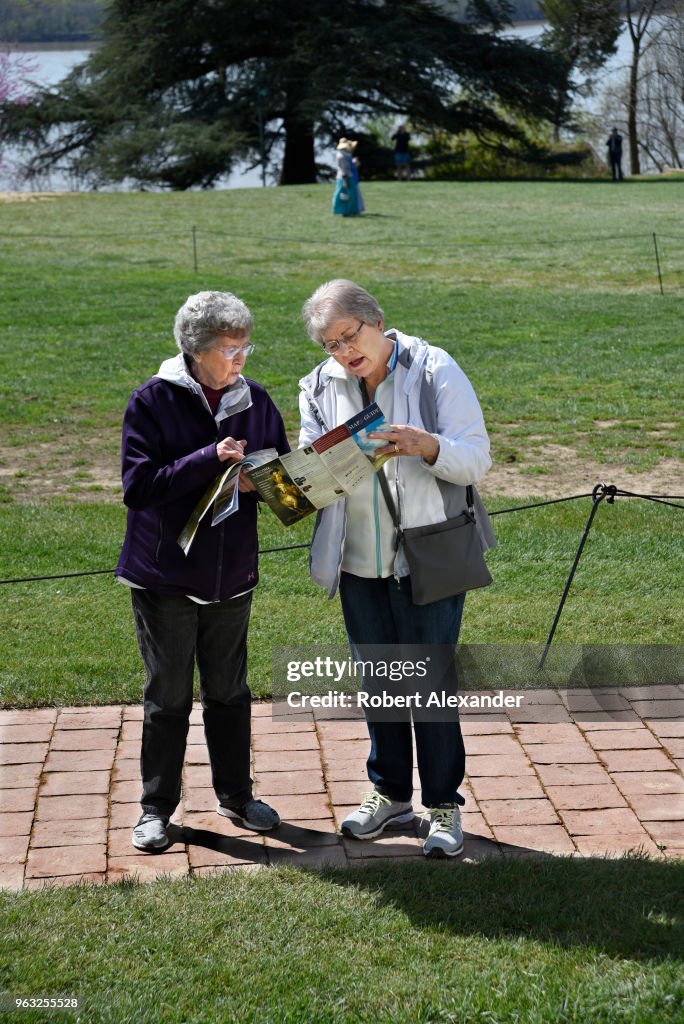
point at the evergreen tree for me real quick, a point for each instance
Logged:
(180, 89)
(583, 34)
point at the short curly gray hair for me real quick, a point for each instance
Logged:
(206, 315)
(336, 300)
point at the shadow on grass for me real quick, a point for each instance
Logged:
(632, 907)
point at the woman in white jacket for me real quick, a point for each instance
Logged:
(439, 446)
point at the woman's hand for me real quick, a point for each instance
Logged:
(406, 440)
(230, 450)
(245, 485)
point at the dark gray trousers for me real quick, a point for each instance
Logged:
(174, 632)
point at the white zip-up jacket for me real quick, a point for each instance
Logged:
(430, 391)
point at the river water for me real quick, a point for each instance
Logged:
(54, 61)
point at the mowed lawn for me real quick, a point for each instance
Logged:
(548, 296)
(555, 941)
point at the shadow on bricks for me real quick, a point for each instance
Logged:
(235, 846)
(294, 838)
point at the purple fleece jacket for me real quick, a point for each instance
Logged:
(168, 461)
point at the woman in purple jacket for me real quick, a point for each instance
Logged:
(181, 428)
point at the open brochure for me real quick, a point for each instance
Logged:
(301, 482)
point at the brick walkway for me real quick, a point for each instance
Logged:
(602, 780)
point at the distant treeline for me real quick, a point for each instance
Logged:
(47, 21)
(75, 20)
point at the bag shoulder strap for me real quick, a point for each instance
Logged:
(385, 488)
(382, 479)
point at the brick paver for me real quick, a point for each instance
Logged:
(539, 783)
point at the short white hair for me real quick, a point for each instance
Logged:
(205, 316)
(336, 300)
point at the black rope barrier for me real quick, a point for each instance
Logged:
(110, 572)
(658, 498)
(608, 491)
(60, 576)
(601, 492)
(539, 504)
(439, 245)
(195, 232)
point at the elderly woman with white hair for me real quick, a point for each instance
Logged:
(195, 416)
(438, 446)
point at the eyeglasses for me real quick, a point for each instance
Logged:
(231, 353)
(333, 346)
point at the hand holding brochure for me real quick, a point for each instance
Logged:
(223, 493)
(300, 482)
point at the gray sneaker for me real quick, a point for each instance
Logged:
(254, 814)
(150, 833)
(445, 838)
(375, 813)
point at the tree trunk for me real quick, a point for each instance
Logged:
(632, 134)
(299, 162)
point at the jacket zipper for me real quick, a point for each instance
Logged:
(376, 516)
(219, 561)
(161, 538)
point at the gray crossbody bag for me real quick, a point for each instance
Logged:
(444, 558)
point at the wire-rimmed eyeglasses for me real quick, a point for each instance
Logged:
(335, 344)
(231, 353)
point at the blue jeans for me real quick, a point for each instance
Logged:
(172, 633)
(380, 611)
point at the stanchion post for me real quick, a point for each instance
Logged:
(194, 246)
(660, 276)
(600, 492)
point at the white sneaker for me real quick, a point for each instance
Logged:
(150, 833)
(445, 838)
(375, 813)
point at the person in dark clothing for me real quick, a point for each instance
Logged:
(614, 145)
(402, 155)
(181, 428)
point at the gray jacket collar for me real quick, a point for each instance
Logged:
(236, 398)
(412, 356)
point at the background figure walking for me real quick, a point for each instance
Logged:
(356, 163)
(346, 197)
(614, 145)
(402, 155)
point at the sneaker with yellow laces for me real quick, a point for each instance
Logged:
(445, 838)
(374, 814)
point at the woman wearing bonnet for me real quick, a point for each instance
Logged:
(346, 200)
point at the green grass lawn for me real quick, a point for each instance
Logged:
(547, 295)
(500, 942)
(72, 641)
